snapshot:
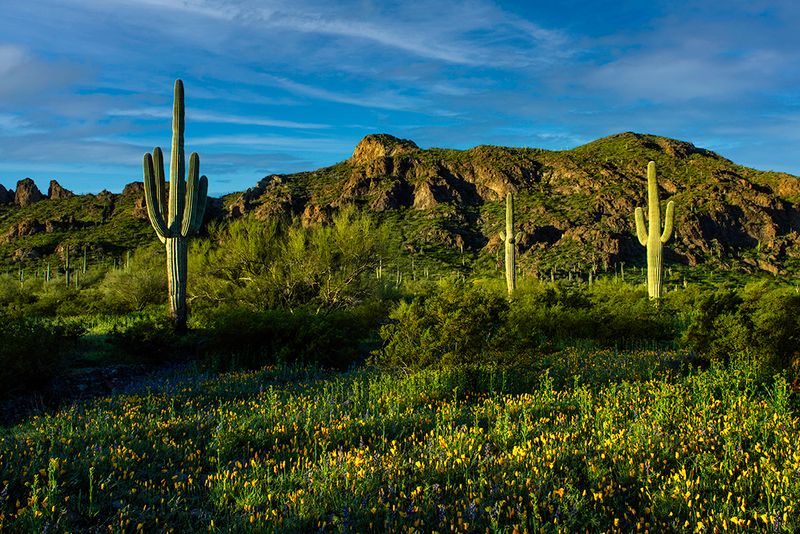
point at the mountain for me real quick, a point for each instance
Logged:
(574, 207)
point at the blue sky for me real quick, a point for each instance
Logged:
(271, 87)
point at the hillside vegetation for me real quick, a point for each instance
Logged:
(575, 206)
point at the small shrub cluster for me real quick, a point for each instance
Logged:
(146, 337)
(31, 351)
(759, 321)
(459, 323)
(239, 338)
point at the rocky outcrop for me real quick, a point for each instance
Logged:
(6, 196)
(380, 146)
(314, 215)
(136, 190)
(27, 193)
(133, 189)
(23, 228)
(55, 191)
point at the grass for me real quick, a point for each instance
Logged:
(290, 449)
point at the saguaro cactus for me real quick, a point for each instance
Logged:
(180, 215)
(510, 240)
(652, 237)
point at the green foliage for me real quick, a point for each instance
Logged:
(759, 321)
(240, 338)
(459, 324)
(264, 265)
(456, 324)
(31, 351)
(136, 287)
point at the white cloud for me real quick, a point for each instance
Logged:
(204, 116)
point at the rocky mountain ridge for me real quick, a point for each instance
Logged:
(577, 203)
(575, 207)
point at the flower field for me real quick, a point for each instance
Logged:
(460, 450)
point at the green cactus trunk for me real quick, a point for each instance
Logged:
(510, 241)
(177, 260)
(66, 266)
(652, 237)
(177, 216)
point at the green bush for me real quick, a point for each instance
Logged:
(457, 324)
(759, 321)
(31, 351)
(265, 265)
(142, 284)
(148, 337)
(241, 338)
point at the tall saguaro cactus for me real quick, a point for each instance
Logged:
(510, 240)
(652, 237)
(180, 215)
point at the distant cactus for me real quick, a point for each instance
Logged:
(66, 266)
(179, 216)
(652, 237)
(510, 240)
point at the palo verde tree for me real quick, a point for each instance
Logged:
(652, 237)
(180, 215)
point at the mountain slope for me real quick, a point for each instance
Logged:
(574, 207)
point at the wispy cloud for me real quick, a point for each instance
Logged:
(391, 100)
(218, 118)
(335, 146)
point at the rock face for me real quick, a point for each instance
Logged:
(377, 146)
(55, 191)
(27, 193)
(6, 196)
(133, 189)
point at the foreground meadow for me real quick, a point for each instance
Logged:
(612, 448)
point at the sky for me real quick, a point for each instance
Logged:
(286, 86)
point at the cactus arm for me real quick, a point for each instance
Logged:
(161, 184)
(641, 229)
(151, 199)
(192, 189)
(509, 213)
(200, 209)
(177, 170)
(668, 221)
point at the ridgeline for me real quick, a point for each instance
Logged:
(575, 207)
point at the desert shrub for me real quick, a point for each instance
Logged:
(133, 289)
(758, 321)
(13, 295)
(31, 351)
(718, 328)
(615, 315)
(241, 338)
(267, 265)
(457, 324)
(623, 315)
(148, 337)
